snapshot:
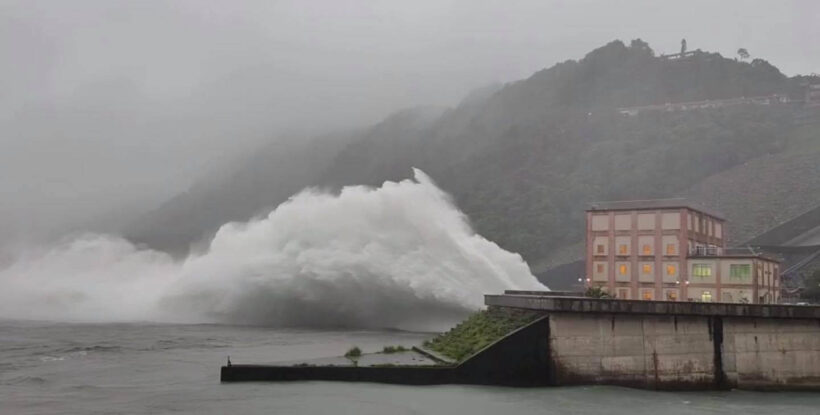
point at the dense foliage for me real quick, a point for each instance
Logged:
(523, 160)
(478, 331)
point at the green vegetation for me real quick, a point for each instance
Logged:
(524, 159)
(478, 331)
(393, 349)
(353, 353)
(596, 292)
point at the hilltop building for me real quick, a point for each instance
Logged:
(669, 250)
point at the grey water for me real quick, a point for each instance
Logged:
(60, 368)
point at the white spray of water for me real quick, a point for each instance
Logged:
(399, 256)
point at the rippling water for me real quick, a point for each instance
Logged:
(48, 368)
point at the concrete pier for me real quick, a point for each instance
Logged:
(642, 344)
(676, 345)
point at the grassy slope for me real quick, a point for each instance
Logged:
(478, 331)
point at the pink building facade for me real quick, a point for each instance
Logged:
(668, 250)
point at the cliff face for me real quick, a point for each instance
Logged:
(522, 160)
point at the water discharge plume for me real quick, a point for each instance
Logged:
(399, 256)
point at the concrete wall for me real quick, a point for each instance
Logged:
(772, 353)
(669, 352)
(645, 344)
(519, 359)
(676, 345)
(657, 352)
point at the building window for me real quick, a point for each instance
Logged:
(670, 249)
(646, 268)
(623, 293)
(600, 268)
(702, 270)
(706, 297)
(671, 295)
(599, 249)
(623, 249)
(671, 270)
(740, 271)
(646, 295)
(622, 269)
(647, 249)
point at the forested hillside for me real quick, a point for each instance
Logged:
(522, 160)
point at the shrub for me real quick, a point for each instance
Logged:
(353, 352)
(393, 349)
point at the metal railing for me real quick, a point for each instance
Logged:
(705, 251)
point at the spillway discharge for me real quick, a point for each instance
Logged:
(397, 256)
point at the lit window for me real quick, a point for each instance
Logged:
(600, 249)
(706, 297)
(647, 295)
(623, 249)
(671, 295)
(740, 271)
(647, 249)
(647, 268)
(702, 270)
(622, 269)
(670, 249)
(671, 270)
(600, 268)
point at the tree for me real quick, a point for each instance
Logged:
(596, 292)
(743, 53)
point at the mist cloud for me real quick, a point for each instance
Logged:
(397, 256)
(109, 108)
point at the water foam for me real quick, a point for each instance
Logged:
(399, 256)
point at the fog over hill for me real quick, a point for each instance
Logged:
(523, 159)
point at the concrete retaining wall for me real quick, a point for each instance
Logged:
(643, 344)
(685, 352)
(667, 345)
(772, 354)
(657, 352)
(519, 359)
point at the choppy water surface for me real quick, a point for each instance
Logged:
(48, 368)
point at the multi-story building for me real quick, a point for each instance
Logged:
(672, 251)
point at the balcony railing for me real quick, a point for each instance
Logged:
(706, 251)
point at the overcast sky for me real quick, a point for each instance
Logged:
(113, 106)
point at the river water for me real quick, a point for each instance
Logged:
(48, 368)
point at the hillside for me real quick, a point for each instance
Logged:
(524, 159)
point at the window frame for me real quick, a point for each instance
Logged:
(736, 267)
(701, 267)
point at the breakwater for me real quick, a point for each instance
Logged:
(677, 345)
(643, 344)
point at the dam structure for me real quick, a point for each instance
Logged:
(576, 340)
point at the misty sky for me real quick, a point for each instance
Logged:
(107, 108)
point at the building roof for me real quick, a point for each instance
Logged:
(740, 252)
(652, 204)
